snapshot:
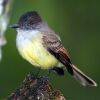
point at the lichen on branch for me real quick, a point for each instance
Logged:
(36, 88)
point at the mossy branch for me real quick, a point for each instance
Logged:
(36, 88)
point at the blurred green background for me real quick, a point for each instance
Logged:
(78, 24)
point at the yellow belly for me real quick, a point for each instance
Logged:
(34, 52)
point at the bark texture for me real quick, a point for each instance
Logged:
(36, 88)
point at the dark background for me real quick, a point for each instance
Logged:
(78, 24)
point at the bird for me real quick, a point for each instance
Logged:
(42, 47)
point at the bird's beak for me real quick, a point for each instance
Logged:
(14, 26)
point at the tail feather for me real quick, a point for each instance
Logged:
(82, 78)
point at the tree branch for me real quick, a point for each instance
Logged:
(36, 88)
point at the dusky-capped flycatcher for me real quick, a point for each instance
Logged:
(42, 47)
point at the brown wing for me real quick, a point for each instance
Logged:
(55, 47)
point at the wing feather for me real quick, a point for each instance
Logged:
(55, 47)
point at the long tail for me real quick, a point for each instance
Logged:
(82, 78)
